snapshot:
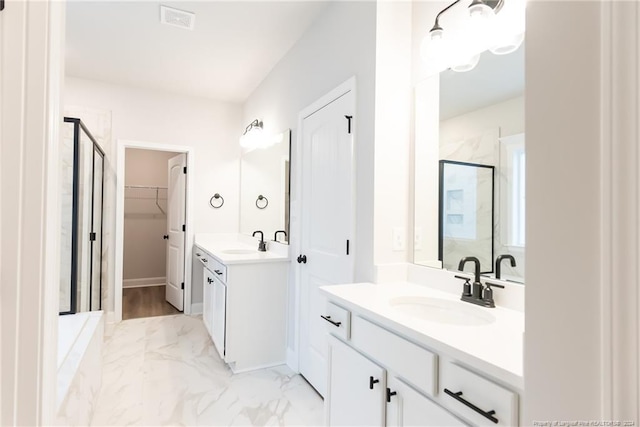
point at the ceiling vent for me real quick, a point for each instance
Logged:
(177, 18)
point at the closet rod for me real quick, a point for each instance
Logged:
(145, 187)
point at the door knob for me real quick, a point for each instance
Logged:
(165, 237)
(302, 259)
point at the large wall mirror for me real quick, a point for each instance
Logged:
(264, 189)
(470, 167)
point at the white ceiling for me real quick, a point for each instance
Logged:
(232, 49)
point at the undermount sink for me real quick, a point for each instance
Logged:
(442, 311)
(239, 251)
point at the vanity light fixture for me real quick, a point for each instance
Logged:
(253, 135)
(494, 24)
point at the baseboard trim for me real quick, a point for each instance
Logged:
(143, 282)
(292, 360)
(196, 308)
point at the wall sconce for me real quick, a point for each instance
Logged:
(497, 25)
(253, 135)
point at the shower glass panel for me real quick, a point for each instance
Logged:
(81, 269)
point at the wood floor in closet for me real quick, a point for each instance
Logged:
(146, 301)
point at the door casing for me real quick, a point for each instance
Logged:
(122, 145)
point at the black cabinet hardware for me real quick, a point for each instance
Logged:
(1, 5)
(182, 285)
(302, 259)
(218, 272)
(92, 237)
(204, 260)
(166, 237)
(372, 381)
(328, 319)
(389, 394)
(347, 247)
(209, 280)
(198, 254)
(458, 396)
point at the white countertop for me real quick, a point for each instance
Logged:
(216, 245)
(495, 348)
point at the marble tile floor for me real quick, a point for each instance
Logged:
(163, 371)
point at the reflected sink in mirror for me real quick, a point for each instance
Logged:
(442, 311)
(239, 251)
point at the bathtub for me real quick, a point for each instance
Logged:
(79, 372)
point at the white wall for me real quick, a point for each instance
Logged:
(144, 249)
(210, 127)
(562, 366)
(392, 137)
(339, 45)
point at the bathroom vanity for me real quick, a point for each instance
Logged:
(406, 354)
(244, 301)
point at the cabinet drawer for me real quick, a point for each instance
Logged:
(219, 269)
(337, 321)
(411, 362)
(477, 399)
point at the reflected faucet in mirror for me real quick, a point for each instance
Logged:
(499, 260)
(262, 245)
(275, 235)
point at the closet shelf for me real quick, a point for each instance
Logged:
(150, 197)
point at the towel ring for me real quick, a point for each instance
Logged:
(216, 196)
(259, 199)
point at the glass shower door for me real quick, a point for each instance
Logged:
(82, 178)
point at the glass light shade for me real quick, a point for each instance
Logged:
(254, 138)
(464, 64)
(434, 50)
(508, 44)
(480, 10)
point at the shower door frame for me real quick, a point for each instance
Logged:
(77, 127)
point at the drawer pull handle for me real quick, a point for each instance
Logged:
(218, 272)
(372, 381)
(198, 254)
(389, 394)
(209, 280)
(204, 260)
(458, 396)
(328, 319)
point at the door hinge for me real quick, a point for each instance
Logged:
(348, 123)
(92, 237)
(182, 286)
(184, 227)
(184, 169)
(347, 247)
(1, 5)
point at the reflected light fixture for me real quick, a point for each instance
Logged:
(485, 28)
(253, 136)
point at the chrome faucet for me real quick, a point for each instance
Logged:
(499, 261)
(262, 245)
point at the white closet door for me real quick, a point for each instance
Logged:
(175, 225)
(327, 222)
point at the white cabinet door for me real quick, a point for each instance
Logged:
(207, 300)
(219, 315)
(356, 388)
(410, 408)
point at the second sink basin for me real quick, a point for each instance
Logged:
(442, 311)
(239, 251)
